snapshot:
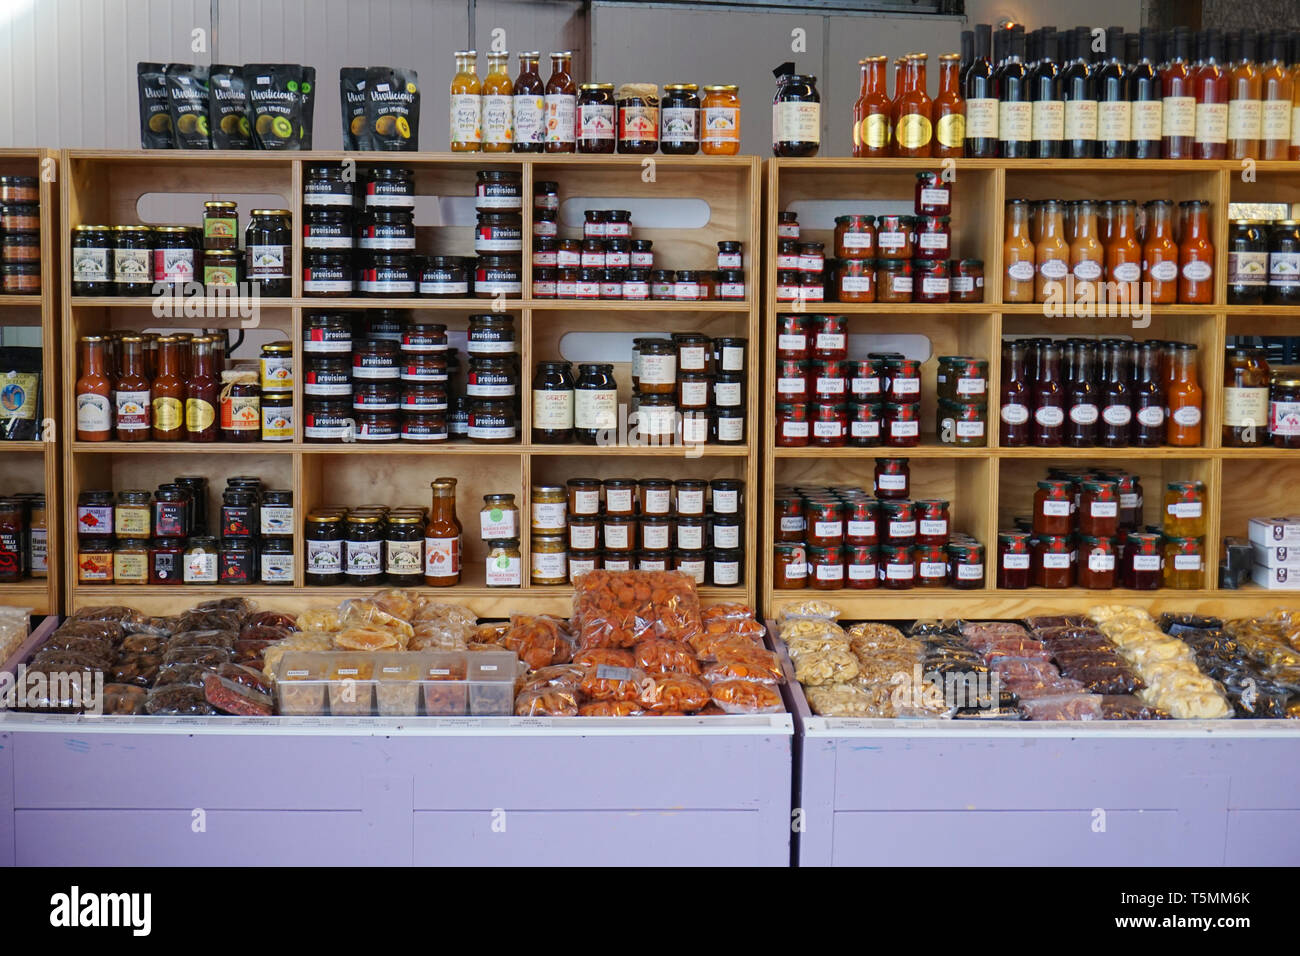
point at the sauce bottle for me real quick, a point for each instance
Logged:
(442, 537)
(1195, 254)
(1183, 398)
(1146, 105)
(1087, 255)
(1211, 85)
(915, 128)
(1080, 427)
(1123, 254)
(1015, 397)
(1178, 99)
(1294, 152)
(981, 99)
(1245, 97)
(1078, 90)
(1048, 109)
(1018, 254)
(201, 393)
(1051, 252)
(466, 104)
(498, 105)
(529, 106)
(1114, 113)
(561, 105)
(1114, 395)
(1015, 111)
(949, 110)
(1279, 88)
(1160, 253)
(169, 392)
(871, 112)
(131, 393)
(94, 407)
(1049, 398)
(1148, 430)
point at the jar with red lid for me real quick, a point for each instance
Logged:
(1013, 560)
(826, 568)
(789, 567)
(855, 280)
(897, 571)
(898, 522)
(791, 425)
(894, 280)
(812, 257)
(824, 519)
(861, 568)
(892, 478)
(1054, 508)
(930, 282)
(828, 379)
(865, 419)
(931, 562)
(966, 565)
(861, 527)
(1053, 561)
(1142, 566)
(902, 425)
(1096, 562)
(933, 196)
(855, 237)
(966, 280)
(792, 337)
(934, 238)
(790, 526)
(830, 337)
(865, 380)
(1098, 508)
(791, 380)
(893, 237)
(902, 381)
(830, 424)
(932, 521)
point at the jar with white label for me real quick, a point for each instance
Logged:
(595, 403)
(796, 114)
(504, 564)
(550, 509)
(550, 560)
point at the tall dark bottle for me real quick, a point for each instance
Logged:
(1080, 96)
(1015, 111)
(1115, 395)
(981, 98)
(1082, 413)
(1178, 99)
(967, 54)
(1114, 114)
(1145, 93)
(1211, 83)
(1048, 121)
(1148, 430)
(1049, 397)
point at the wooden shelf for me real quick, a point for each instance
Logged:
(31, 301)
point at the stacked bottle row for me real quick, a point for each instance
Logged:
(1111, 393)
(525, 115)
(166, 537)
(1087, 530)
(1151, 95)
(838, 537)
(1095, 252)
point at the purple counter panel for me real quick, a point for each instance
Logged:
(33, 641)
(211, 791)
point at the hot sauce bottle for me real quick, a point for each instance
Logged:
(169, 392)
(1178, 102)
(94, 391)
(201, 393)
(1245, 97)
(1195, 254)
(949, 110)
(131, 393)
(1160, 253)
(915, 129)
(871, 113)
(442, 537)
(1211, 85)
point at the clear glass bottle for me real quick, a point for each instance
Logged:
(466, 104)
(498, 105)
(561, 105)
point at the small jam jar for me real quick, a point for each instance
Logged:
(966, 565)
(1096, 562)
(789, 286)
(792, 337)
(789, 567)
(791, 425)
(894, 237)
(865, 380)
(1185, 509)
(828, 379)
(931, 562)
(897, 570)
(861, 525)
(966, 280)
(830, 337)
(812, 257)
(861, 567)
(892, 478)
(902, 381)
(1013, 560)
(902, 425)
(930, 281)
(933, 197)
(830, 424)
(855, 237)
(791, 380)
(934, 238)
(1054, 508)
(898, 522)
(826, 568)
(1142, 566)
(1053, 561)
(824, 519)
(855, 280)
(865, 419)
(1098, 509)
(932, 521)
(894, 280)
(789, 517)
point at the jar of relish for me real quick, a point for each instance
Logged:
(1013, 560)
(1142, 566)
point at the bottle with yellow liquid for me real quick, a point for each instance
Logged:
(498, 105)
(466, 104)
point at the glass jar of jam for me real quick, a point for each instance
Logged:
(584, 496)
(855, 280)
(1184, 515)
(1184, 564)
(92, 260)
(1053, 561)
(966, 566)
(620, 497)
(830, 337)
(1054, 508)
(654, 496)
(902, 381)
(1142, 566)
(689, 533)
(828, 379)
(1247, 262)
(826, 568)
(894, 280)
(220, 225)
(790, 525)
(492, 421)
(375, 359)
(861, 567)
(894, 237)
(966, 280)
(690, 496)
(1284, 411)
(962, 379)
(792, 337)
(680, 110)
(791, 425)
(1096, 562)
(931, 563)
(902, 425)
(1284, 263)
(861, 525)
(898, 522)
(792, 381)
(934, 239)
(933, 196)
(324, 538)
(866, 381)
(584, 532)
(930, 281)
(824, 519)
(892, 478)
(789, 285)
(932, 521)
(1013, 560)
(638, 118)
(789, 567)
(1098, 508)
(865, 419)
(896, 568)
(961, 423)
(830, 422)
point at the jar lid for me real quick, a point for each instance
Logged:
(239, 376)
(91, 228)
(500, 175)
(724, 88)
(584, 482)
(1094, 541)
(682, 87)
(1055, 484)
(597, 86)
(219, 204)
(270, 212)
(136, 228)
(499, 498)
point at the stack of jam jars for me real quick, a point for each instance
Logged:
(691, 525)
(20, 235)
(843, 537)
(1087, 531)
(169, 537)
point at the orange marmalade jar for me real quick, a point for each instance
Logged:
(720, 109)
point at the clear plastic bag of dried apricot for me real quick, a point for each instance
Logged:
(622, 608)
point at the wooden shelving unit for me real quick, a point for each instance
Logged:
(107, 186)
(30, 466)
(988, 486)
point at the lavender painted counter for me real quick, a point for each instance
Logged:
(432, 791)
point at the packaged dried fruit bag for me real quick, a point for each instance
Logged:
(622, 608)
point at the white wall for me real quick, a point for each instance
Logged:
(67, 67)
